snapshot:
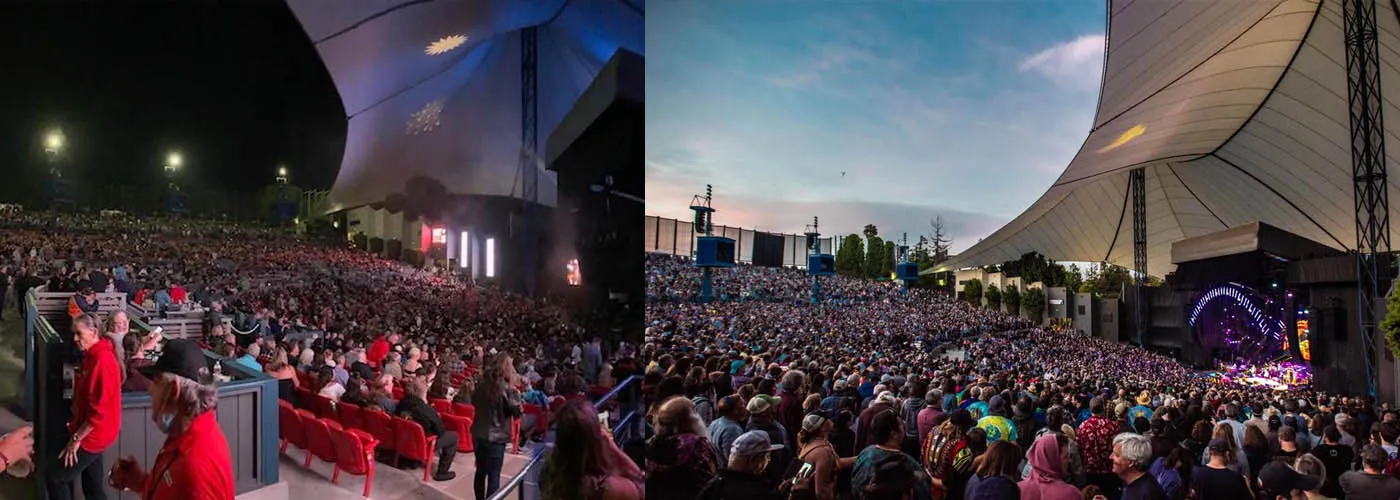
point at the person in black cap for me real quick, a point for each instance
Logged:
(744, 478)
(818, 463)
(195, 460)
(1278, 481)
(1215, 480)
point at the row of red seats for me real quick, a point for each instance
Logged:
(349, 450)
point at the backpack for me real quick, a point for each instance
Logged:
(799, 470)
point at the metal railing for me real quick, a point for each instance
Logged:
(529, 474)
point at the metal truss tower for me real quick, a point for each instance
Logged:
(529, 154)
(1137, 182)
(1368, 170)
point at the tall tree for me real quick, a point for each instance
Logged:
(1073, 278)
(972, 291)
(993, 295)
(888, 266)
(1112, 279)
(875, 257)
(1033, 303)
(1012, 299)
(941, 242)
(870, 231)
(850, 258)
(1391, 324)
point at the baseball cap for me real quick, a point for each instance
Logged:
(838, 385)
(1219, 445)
(813, 421)
(180, 357)
(885, 397)
(1278, 476)
(762, 403)
(753, 443)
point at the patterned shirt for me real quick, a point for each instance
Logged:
(1096, 443)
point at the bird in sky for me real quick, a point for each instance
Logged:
(843, 174)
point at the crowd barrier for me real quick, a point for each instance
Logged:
(628, 395)
(247, 408)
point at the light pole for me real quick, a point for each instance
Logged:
(281, 175)
(54, 142)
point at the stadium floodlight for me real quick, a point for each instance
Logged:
(174, 160)
(282, 171)
(53, 141)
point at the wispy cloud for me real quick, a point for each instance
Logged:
(831, 59)
(1076, 64)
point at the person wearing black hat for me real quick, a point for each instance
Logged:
(195, 460)
(1278, 481)
(744, 478)
(1215, 480)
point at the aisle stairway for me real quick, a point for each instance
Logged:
(389, 483)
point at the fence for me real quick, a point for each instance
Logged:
(247, 408)
(526, 483)
(677, 237)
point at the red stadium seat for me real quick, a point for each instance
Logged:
(413, 444)
(515, 435)
(541, 417)
(291, 427)
(443, 406)
(307, 423)
(350, 416)
(463, 426)
(462, 410)
(318, 440)
(379, 424)
(323, 406)
(304, 398)
(354, 454)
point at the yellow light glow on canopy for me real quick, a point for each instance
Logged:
(1127, 135)
(445, 45)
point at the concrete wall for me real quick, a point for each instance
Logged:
(1083, 311)
(1109, 319)
(965, 275)
(1057, 302)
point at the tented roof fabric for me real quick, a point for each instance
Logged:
(1237, 111)
(454, 115)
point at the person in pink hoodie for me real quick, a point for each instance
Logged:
(1048, 457)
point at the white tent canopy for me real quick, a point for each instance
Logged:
(433, 87)
(1237, 111)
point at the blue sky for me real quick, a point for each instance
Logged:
(967, 109)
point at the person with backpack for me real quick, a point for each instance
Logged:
(744, 478)
(813, 476)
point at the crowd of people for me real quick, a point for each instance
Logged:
(879, 395)
(353, 325)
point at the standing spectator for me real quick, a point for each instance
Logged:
(1049, 461)
(762, 417)
(789, 410)
(887, 430)
(745, 478)
(415, 407)
(1371, 482)
(592, 359)
(1132, 458)
(950, 455)
(1278, 480)
(1337, 459)
(730, 424)
(1310, 466)
(1216, 480)
(497, 402)
(585, 463)
(380, 348)
(1096, 445)
(96, 415)
(195, 460)
(681, 460)
(996, 472)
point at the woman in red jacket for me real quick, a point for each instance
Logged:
(97, 413)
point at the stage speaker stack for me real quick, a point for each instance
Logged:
(907, 271)
(597, 151)
(821, 265)
(714, 251)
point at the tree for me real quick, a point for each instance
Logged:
(875, 257)
(1073, 278)
(993, 298)
(972, 291)
(1391, 324)
(1112, 278)
(1033, 303)
(941, 242)
(850, 260)
(1012, 299)
(889, 258)
(870, 231)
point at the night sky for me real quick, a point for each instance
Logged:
(235, 86)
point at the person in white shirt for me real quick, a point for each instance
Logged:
(329, 387)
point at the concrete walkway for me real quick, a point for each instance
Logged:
(389, 483)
